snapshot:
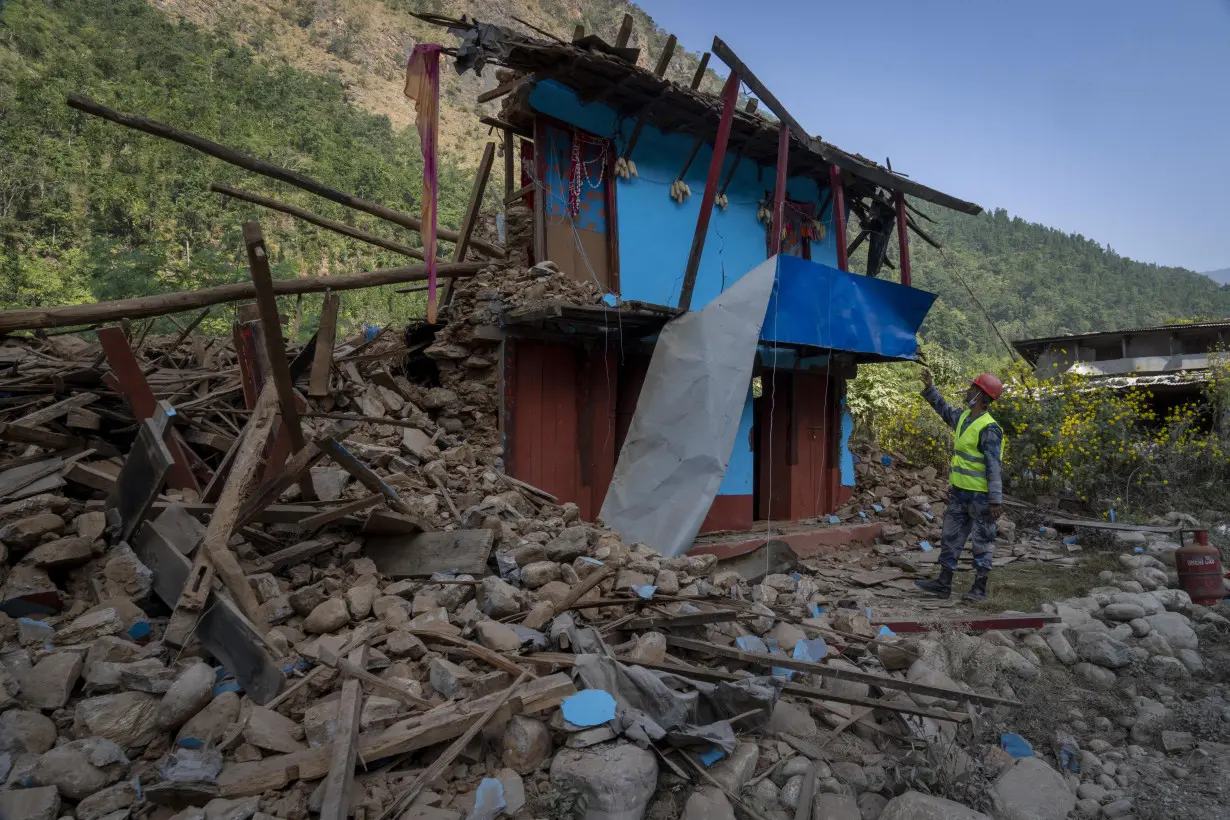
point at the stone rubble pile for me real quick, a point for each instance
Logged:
(101, 719)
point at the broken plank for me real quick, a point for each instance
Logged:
(822, 671)
(363, 474)
(128, 381)
(326, 337)
(275, 345)
(247, 779)
(294, 554)
(692, 619)
(273, 514)
(349, 508)
(54, 411)
(387, 522)
(140, 481)
(223, 630)
(339, 783)
(20, 434)
(422, 555)
(17, 479)
(83, 419)
(989, 623)
(903, 705)
(94, 476)
(494, 658)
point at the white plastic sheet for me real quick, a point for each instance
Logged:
(687, 417)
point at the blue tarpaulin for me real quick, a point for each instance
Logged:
(820, 306)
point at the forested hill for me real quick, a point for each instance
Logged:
(90, 210)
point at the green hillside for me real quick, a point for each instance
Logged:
(90, 210)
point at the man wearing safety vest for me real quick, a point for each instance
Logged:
(976, 486)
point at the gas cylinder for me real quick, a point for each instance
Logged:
(1199, 567)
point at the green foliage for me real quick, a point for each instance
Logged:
(91, 210)
(1036, 281)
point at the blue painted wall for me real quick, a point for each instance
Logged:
(740, 470)
(655, 233)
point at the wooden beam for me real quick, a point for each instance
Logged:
(510, 147)
(625, 32)
(326, 337)
(508, 127)
(43, 438)
(338, 783)
(730, 97)
(822, 671)
(839, 216)
(127, 379)
(520, 193)
(664, 60)
(758, 88)
(472, 208)
(363, 474)
(500, 90)
(701, 67)
(349, 508)
(315, 219)
(214, 556)
(213, 149)
(438, 726)
(779, 191)
(163, 304)
(903, 239)
(54, 411)
(275, 345)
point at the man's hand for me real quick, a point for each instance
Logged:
(928, 381)
(996, 509)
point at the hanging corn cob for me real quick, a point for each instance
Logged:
(680, 191)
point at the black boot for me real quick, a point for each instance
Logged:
(941, 587)
(978, 592)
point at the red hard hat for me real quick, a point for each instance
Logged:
(990, 385)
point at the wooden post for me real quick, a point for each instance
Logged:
(279, 368)
(339, 783)
(730, 98)
(472, 209)
(664, 60)
(903, 240)
(625, 32)
(779, 192)
(326, 337)
(213, 149)
(839, 216)
(510, 165)
(699, 76)
(315, 219)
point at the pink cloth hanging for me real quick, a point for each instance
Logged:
(423, 86)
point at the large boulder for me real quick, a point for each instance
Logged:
(835, 807)
(1102, 649)
(1175, 628)
(1031, 790)
(919, 806)
(617, 780)
(708, 803)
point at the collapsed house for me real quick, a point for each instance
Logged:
(613, 159)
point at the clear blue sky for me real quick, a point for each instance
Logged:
(1108, 119)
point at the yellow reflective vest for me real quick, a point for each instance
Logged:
(969, 467)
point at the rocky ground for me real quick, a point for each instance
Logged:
(1121, 700)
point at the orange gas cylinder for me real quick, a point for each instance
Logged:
(1199, 568)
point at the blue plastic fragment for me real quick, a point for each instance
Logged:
(139, 630)
(300, 665)
(589, 707)
(711, 756)
(1138, 550)
(370, 331)
(868, 612)
(140, 791)
(929, 516)
(488, 799)
(751, 643)
(862, 514)
(796, 577)
(884, 630)
(886, 460)
(1068, 760)
(810, 649)
(877, 508)
(220, 674)
(227, 686)
(925, 546)
(610, 300)
(817, 610)
(644, 591)
(1112, 515)
(190, 743)
(1072, 540)
(834, 519)
(1015, 745)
